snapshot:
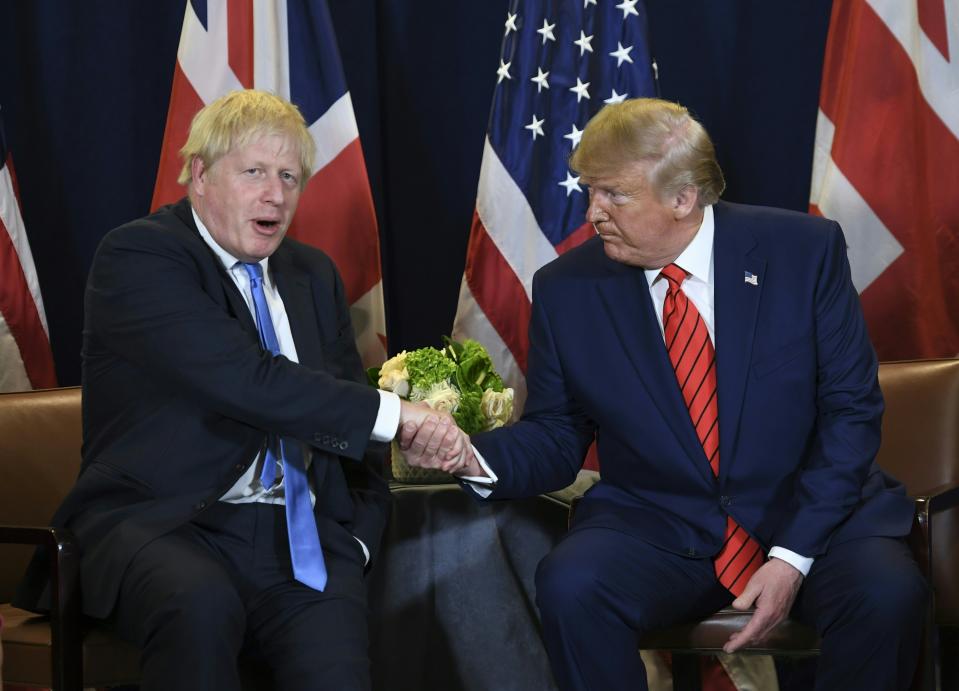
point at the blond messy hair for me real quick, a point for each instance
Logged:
(659, 133)
(238, 118)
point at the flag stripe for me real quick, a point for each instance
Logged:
(240, 22)
(184, 104)
(21, 305)
(498, 290)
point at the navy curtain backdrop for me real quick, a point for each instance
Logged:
(85, 87)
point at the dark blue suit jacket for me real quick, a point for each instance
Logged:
(178, 398)
(799, 401)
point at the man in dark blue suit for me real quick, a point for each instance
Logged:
(718, 354)
(230, 497)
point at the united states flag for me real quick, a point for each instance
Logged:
(25, 358)
(288, 47)
(886, 166)
(561, 61)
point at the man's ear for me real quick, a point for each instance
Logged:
(199, 172)
(685, 202)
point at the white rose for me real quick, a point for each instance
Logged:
(497, 407)
(442, 397)
(394, 376)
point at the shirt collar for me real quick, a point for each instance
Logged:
(697, 258)
(227, 259)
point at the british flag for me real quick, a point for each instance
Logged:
(886, 166)
(26, 361)
(561, 61)
(288, 47)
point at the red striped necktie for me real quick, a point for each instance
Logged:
(694, 360)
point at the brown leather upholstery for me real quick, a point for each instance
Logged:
(920, 447)
(40, 437)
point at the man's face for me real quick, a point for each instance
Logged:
(637, 226)
(247, 198)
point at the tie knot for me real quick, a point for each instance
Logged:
(674, 274)
(253, 270)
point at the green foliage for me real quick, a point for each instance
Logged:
(428, 366)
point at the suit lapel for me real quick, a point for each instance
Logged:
(184, 212)
(295, 288)
(625, 296)
(737, 307)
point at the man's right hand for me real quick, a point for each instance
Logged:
(431, 439)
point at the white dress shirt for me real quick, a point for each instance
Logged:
(248, 488)
(697, 261)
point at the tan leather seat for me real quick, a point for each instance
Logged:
(40, 438)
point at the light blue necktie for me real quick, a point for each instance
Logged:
(307, 555)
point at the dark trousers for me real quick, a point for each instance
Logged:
(599, 589)
(195, 599)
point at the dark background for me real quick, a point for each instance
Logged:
(85, 87)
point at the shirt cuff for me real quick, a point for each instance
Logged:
(387, 418)
(483, 486)
(797, 561)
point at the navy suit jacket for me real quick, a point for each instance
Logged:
(799, 402)
(178, 398)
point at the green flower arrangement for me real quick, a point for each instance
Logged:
(459, 379)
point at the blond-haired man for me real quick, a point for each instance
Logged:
(229, 499)
(718, 354)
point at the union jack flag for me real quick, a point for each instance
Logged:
(886, 166)
(561, 61)
(288, 47)
(25, 358)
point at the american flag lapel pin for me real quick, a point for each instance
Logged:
(752, 279)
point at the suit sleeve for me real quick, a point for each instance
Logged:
(147, 303)
(545, 449)
(849, 412)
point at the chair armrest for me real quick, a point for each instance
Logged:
(928, 503)
(941, 497)
(64, 574)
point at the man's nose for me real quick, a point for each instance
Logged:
(595, 212)
(273, 190)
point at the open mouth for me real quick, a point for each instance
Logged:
(266, 225)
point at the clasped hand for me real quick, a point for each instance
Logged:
(430, 439)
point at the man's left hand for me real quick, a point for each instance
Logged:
(773, 590)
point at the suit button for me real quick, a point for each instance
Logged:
(344, 446)
(239, 466)
(725, 501)
(200, 506)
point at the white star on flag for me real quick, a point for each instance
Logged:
(511, 22)
(540, 80)
(583, 43)
(503, 71)
(574, 136)
(615, 98)
(621, 54)
(580, 90)
(547, 31)
(587, 3)
(571, 184)
(536, 127)
(628, 7)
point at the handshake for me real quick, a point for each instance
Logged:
(431, 439)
